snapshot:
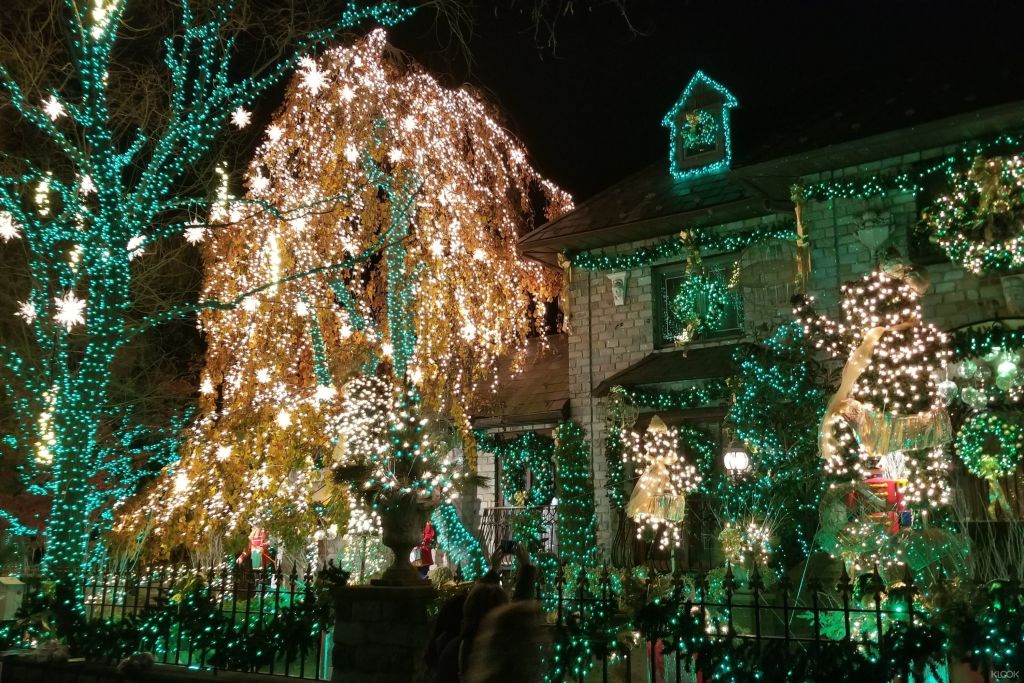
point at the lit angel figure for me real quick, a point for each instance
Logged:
(659, 497)
(885, 430)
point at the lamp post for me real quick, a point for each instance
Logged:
(736, 459)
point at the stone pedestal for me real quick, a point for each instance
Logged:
(381, 633)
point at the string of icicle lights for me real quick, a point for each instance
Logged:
(425, 188)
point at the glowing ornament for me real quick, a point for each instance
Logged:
(275, 132)
(223, 453)
(240, 118)
(135, 247)
(8, 230)
(947, 391)
(53, 108)
(973, 397)
(313, 80)
(26, 311)
(968, 369)
(70, 310)
(195, 234)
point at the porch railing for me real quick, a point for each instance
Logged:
(499, 523)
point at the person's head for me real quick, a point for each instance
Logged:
(447, 625)
(483, 597)
(508, 647)
(449, 617)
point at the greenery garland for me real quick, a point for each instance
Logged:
(882, 184)
(701, 239)
(978, 222)
(975, 439)
(529, 451)
(461, 547)
(710, 393)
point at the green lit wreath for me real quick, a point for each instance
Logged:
(978, 223)
(976, 445)
(716, 294)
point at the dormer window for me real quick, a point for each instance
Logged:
(700, 141)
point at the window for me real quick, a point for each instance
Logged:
(681, 297)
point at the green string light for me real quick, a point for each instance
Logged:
(705, 240)
(577, 519)
(80, 310)
(911, 182)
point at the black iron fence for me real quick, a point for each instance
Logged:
(240, 619)
(689, 627)
(502, 523)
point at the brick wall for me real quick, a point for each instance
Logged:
(606, 338)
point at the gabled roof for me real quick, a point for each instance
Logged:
(679, 365)
(650, 203)
(537, 395)
(700, 79)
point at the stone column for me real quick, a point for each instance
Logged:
(381, 633)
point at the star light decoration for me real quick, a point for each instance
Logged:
(658, 502)
(388, 164)
(70, 310)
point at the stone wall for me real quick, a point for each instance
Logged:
(606, 338)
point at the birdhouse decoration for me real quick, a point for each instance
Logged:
(700, 140)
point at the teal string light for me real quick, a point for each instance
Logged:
(688, 136)
(82, 226)
(709, 393)
(706, 240)
(972, 343)
(577, 518)
(911, 182)
(527, 452)
(462, 548)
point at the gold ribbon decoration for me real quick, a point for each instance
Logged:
(566, 265)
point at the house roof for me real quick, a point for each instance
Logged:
(539, 394)
(680, 365)
(651, 203)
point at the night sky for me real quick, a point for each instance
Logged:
(590, 112)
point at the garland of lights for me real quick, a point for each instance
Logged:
(705, 240)
(974, 444)
(461, 547)
(709, 393)
(577, 518)
(978, 223)
(907, 182)
(529, 451)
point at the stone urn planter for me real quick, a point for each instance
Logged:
(402, 521)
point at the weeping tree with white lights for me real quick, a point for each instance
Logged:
(370, 370)
(103, 196)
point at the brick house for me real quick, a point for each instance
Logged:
(620, 330)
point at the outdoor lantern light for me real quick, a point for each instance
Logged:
(737, 460)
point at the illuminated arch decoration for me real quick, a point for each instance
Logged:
(700, 137)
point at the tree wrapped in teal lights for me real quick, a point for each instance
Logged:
(577, 519)
(111, 195)
(776, 414)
